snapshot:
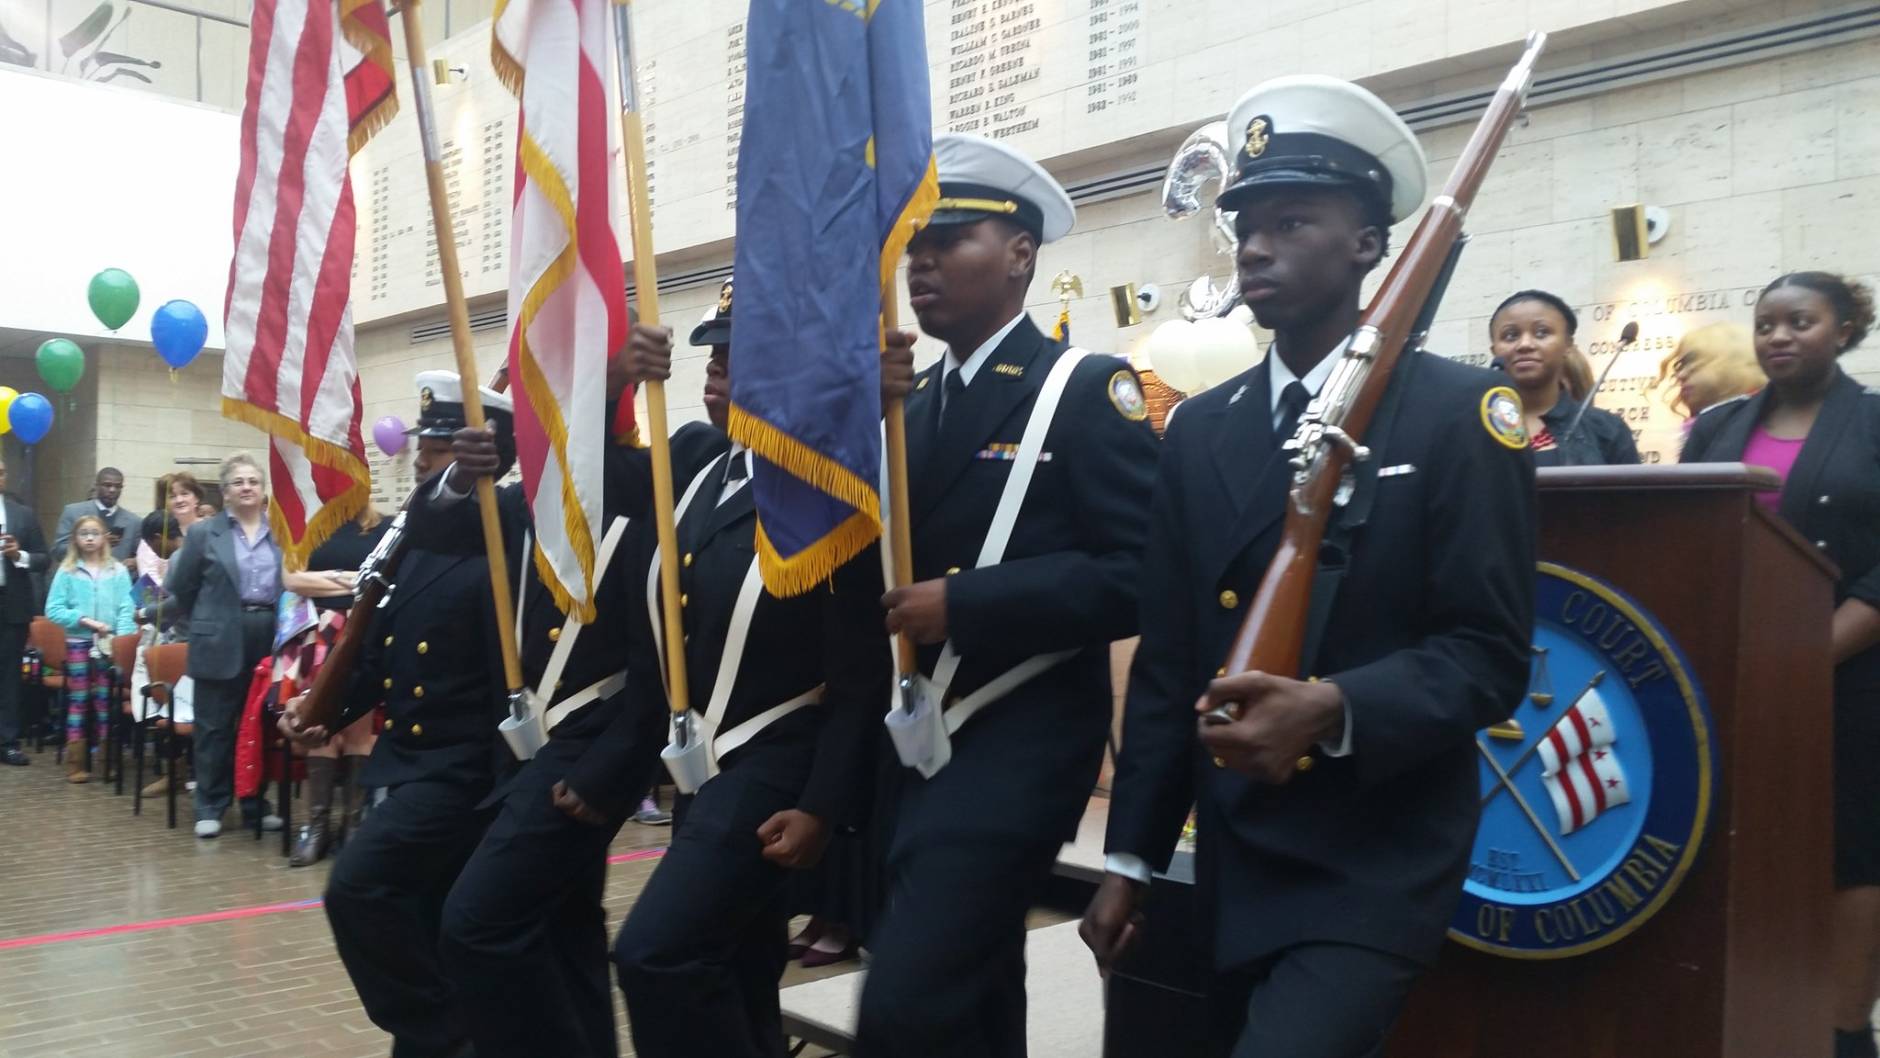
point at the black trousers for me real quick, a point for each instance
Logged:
(525, 941)
(702, 950)
(1309, 1001)
(218, 705)
(12, 648)
(948, 976)
(385, 901)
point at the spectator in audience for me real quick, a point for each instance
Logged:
(1710, 365)
(226, 581)
(156, 614)
(1531, 335)
(120, 524)
(183, 507)
(1820, 431)
(337, 763)
(22, 553)
(91, 600)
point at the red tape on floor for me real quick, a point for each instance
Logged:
(230, 915)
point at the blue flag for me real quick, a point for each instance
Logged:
(835, 173)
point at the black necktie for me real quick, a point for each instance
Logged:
(738, 468)
(1292, 403)
(955, 387)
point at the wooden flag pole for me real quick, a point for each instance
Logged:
(646, 284)
(901, 534)
(460, 334)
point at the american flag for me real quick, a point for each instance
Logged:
(320, 83)
(567, 287)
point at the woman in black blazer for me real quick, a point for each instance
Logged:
(1824, 428)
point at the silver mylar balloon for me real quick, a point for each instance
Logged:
(1201, 159)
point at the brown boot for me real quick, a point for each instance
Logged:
(310, 847)
(75, 765)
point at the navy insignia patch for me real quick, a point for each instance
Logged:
(1594, 809)
(1014, 370)
(1503, 418)
(1257, 137)
(425, 397)
(1126, 393)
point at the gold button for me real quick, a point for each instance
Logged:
(1221, 672)
(417, 692)
(388, 683)
(424, 648)
(388, 641)
(389, 724)
(558, 684)
(687, 561)
(1229, 599)
(1219, 763)
(417, 729)
(952, 570)
(554, 635)
(685, 600)
(1303, 764)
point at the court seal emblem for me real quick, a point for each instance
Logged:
(1596, 795)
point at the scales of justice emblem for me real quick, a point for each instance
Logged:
(1595, 793)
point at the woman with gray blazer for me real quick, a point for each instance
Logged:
(226, 582)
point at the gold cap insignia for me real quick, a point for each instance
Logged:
(1257, 137)
(425, 396)
(724, 298)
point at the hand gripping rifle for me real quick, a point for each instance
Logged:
(324, 707)
(1331, 432)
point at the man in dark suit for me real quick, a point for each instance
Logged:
(22, 554)
(1329, 886)
(1014, 637)
(432, 659)
(789, 718)
(524, 938)
(121, 523)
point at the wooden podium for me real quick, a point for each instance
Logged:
(1735, 964)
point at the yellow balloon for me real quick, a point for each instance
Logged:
(7, 393)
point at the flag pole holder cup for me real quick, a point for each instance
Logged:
(524, 728)
(918, 727)
(687, 754)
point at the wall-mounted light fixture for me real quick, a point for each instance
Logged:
(443, 73)
(1636, 228)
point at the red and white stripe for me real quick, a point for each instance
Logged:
(567, 287)
(289, 367)
(1588, 725)
(1586, 786)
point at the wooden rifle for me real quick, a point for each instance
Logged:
(324, 706)
(1331, 432)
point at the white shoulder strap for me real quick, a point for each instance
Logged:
(733, 653)
(1024, 464)
(652, 570)
(571, 628)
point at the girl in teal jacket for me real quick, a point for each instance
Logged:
(90, 599)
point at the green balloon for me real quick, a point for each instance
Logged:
(113, 297)
(61, 363)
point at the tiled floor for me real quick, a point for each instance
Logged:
(268, 983)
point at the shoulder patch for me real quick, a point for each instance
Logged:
(1503, 418)
(1126, 393)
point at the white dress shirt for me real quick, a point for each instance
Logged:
(970, 366)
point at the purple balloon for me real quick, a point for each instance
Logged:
(389, 434)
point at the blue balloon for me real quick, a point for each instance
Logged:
(178, 330)
(31, 417)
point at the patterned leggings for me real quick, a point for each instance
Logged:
(87, 690)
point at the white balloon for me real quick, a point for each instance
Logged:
(1222, 349)
(1171, 355)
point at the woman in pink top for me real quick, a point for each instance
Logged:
(1820, 431)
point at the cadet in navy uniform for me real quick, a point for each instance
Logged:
(974, 845)
(794, 689)
(1330, 887)
(524, 936)
(431, 659)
